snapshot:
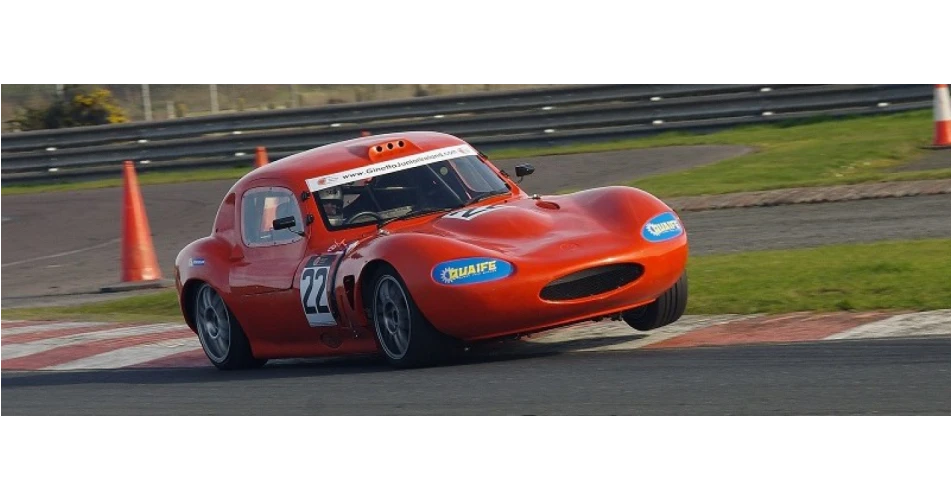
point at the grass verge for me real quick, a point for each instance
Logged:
(150, 307)
(898, 275)
(815, 152)
(906, 275)
(804, 153)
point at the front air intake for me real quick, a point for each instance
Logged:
(593, 281)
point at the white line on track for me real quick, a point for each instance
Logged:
(61, 254)
(902, 325)
(19, 350)
(10, 323)
(129, 356)
(598, 336)
(17, 330)
(685, 325)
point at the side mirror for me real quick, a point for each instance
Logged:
(524, 170)
(284, 223)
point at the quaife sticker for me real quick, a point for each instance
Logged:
(315, 290)
(471, 270)
(662, 227)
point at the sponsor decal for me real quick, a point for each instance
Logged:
(472, 213)
(315, 290)
(196, 261)
(662, 227)
(390, 166)
(471, 270)
(322, 181)
(342, 247)
(337, 246)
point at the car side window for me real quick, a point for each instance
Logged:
(260, 207)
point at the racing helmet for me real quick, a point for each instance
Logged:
(332, 201)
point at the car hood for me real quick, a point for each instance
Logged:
(526, 227)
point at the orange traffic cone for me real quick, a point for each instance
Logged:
(940, 111)
(138, 254)
(261, 156)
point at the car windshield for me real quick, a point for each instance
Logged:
(446, 184)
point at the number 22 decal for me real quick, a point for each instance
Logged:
(314, 288)
(319, 300)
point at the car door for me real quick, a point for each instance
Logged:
(264, 274)
(270, 257)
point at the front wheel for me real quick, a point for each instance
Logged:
(405, 337)
(664, 311)
(222, 338)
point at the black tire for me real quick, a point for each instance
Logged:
(666, 310)
(211, 312)
(424, 345)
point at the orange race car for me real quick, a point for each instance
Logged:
(413, 245)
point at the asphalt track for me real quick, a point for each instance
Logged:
(894, 377)
(811, 225)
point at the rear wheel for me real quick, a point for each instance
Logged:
(222, 338)
(664, 311)
(405, 337)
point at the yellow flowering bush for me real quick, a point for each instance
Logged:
(76, 107)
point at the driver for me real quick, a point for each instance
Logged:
(332, 200)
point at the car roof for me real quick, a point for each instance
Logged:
(341, 156)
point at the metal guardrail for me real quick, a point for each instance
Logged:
(289, 118)
(352, 113)
(489, 121)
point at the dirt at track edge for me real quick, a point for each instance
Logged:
(794, 196)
